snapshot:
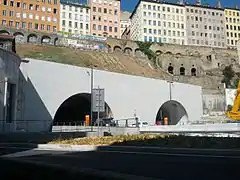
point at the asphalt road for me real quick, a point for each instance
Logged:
(148, 163)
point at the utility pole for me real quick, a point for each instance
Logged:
(91, 116)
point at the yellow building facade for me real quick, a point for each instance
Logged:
(232, 26)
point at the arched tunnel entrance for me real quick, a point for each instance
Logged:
(73, 110)
(175, 112)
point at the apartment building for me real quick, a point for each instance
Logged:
(206, 25)
(124, 20)
(158, 21)
(105, 18)
(74, 17)
(232, 26)
(33, 15)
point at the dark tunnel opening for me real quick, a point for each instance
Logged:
(73, 110)
(174, 111)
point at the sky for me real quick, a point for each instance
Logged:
(129, 5)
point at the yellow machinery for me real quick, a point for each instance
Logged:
(234, 114)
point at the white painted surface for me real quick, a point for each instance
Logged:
(229, 127)
(54, 83)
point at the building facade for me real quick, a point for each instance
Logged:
(105, 18)
(124, 20)
(232, 26)
(205, 26)
(74, 18)
(157, 21)
(30, 15)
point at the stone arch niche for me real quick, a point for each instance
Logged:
(19, 37)
(4, 32)
(139, 53)
(182, 71)
(158, 52)
(73, 110)
(45, 40)
(174, 111)
(117, 49)
(170, 68)
(127, 50)
(32, 38)
(193, 71)
(168, 52)
(108, 48)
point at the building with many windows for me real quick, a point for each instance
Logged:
(105, 18)
(206, 26)
(41, 15)
(124, 20)
(232, 26)
(74, 18)
(158, 21)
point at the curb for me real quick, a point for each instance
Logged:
(68, 147)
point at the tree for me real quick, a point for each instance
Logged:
(228, 74)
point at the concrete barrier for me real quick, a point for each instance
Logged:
(34, 170)
(202, 128)
(40, 138)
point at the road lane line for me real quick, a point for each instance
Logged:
(171, 154)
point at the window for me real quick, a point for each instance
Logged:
(55, 11)
(36, 26)
(37, 8)
(30, 6)
(4, 13)
(18, 4)
(23, 24)
(115, 29)
(5, 2)
(105, 10)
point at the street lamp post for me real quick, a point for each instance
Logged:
(91, 116)
(170, 89)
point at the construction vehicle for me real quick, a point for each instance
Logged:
(234, 113)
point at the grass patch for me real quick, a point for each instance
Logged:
(156, 140)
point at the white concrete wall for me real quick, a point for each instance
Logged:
(54, 83)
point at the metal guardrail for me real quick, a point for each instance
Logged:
(49, 125)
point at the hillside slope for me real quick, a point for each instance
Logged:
(100, 60)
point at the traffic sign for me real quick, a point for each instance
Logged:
(98, 100)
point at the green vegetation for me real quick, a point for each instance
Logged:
(231, 78)
(145, 48)
(228, 74)
(156, 140)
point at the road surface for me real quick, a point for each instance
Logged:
(147, 163)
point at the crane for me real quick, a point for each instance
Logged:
(234, 113)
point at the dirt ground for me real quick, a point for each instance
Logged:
(100, 60)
